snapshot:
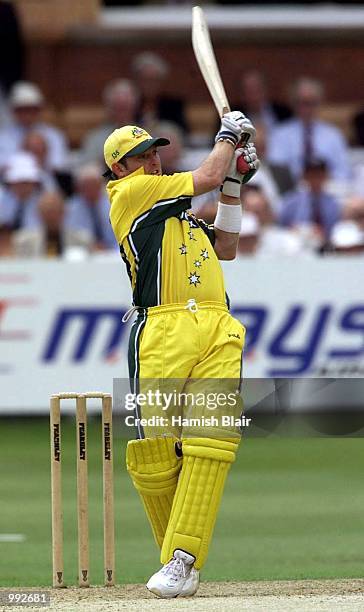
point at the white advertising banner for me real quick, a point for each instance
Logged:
(61, 329)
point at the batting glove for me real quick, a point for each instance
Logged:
(230, 129)
(248, 162)
(243, 166)
(247, 128)
(247, 131)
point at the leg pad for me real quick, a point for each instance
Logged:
(154, 469)
(206, 463)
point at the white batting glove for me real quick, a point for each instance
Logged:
(247, 131)
(243, 166)
(236, 116)
(247, 128)
(252, 163)
(230, 125)
(230, 129)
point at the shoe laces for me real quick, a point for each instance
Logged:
(176, 568)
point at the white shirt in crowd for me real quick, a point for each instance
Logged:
(286, 147)
(12, 137)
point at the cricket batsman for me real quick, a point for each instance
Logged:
(183, 328)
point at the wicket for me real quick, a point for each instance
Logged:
(82, 487)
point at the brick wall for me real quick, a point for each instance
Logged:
(76, 73)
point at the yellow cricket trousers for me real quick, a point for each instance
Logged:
(184, 341)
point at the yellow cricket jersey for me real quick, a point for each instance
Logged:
(168, 253)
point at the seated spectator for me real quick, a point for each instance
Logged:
(297, 141)
(51, 238)
(19, 200)
(150, 72)
(255, 103)
(52, 179)
(311, 205)
(26, 102)
(120, 98)
(89, 208)
(347, 238)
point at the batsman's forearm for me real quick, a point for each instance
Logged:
(213, 170)
(219, 160)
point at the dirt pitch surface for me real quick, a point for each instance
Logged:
(318, 595)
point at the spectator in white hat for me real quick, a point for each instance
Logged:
(19, 199)
(26, 102)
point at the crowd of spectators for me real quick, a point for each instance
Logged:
(307, 198)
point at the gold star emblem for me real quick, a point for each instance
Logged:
(197, 263)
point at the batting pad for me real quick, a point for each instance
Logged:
(205, 465)
(154, 468)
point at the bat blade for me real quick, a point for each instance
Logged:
(206, 60)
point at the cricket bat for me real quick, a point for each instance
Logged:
(205, 56)
(206, 60)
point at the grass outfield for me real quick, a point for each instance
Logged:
(292, 509)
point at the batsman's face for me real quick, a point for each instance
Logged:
(150, 161)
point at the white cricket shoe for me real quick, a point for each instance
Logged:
(172, 578)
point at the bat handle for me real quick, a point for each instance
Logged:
(243, 140)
